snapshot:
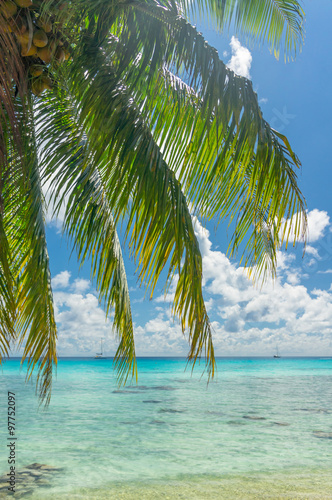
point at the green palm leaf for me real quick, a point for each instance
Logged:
(138, 180)
(276, 21)
(213, 137)
(7, 301)
(88, 219)
(24, 227)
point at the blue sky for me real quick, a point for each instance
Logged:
(295, 311)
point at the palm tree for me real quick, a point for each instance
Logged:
(130, 116)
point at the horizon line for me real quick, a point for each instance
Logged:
(184, 357)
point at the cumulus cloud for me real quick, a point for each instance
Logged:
(251, 320)
(312, 251)
(160, 336)
(61, 280)
(80, 285)
(241, 59)
(81, 323)
(293, 277)
(318, 222)
(284, 260)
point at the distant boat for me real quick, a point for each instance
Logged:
(277, 355)
(100, 355)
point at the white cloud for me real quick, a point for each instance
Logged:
(293, 278)
(241, 59)
(284, 260)
(318, 221)
(312, 251)
(81, 323)
(80, 285)
(251, 320)
(263, 100)
(161, 335)
(61, 280)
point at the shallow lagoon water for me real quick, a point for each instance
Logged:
(261, 428)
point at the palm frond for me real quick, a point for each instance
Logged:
(205, 133)
(24, 226)
(139, 183)
(213, 134)
(279, 22)
(7, 301)
(137, 176)
(88, 219)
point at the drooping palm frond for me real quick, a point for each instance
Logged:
(232, 187)
(88, 219)
(7, 301)
(7, 281)
(139, 182)
(24, 227)
(276, 21)
(89, 223)
(214, 135)
(161, 227)
(11, 84)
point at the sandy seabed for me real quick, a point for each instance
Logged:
(305, 484)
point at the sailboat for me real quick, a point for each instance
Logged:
(100, 355)
(277, 355)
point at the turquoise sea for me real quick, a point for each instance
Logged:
(261, 429)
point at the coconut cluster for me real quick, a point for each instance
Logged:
(40, 37)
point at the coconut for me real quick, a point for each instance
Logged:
(36, 69)
(8, 9)
(60, 55)
(53, 46)
(47, 82)
(31, 52)
(23, 38)
(45, 24)
(37, 86)
(40, 38)
(45, 54)
(24, 3)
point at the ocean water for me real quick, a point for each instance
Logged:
(262, 429)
